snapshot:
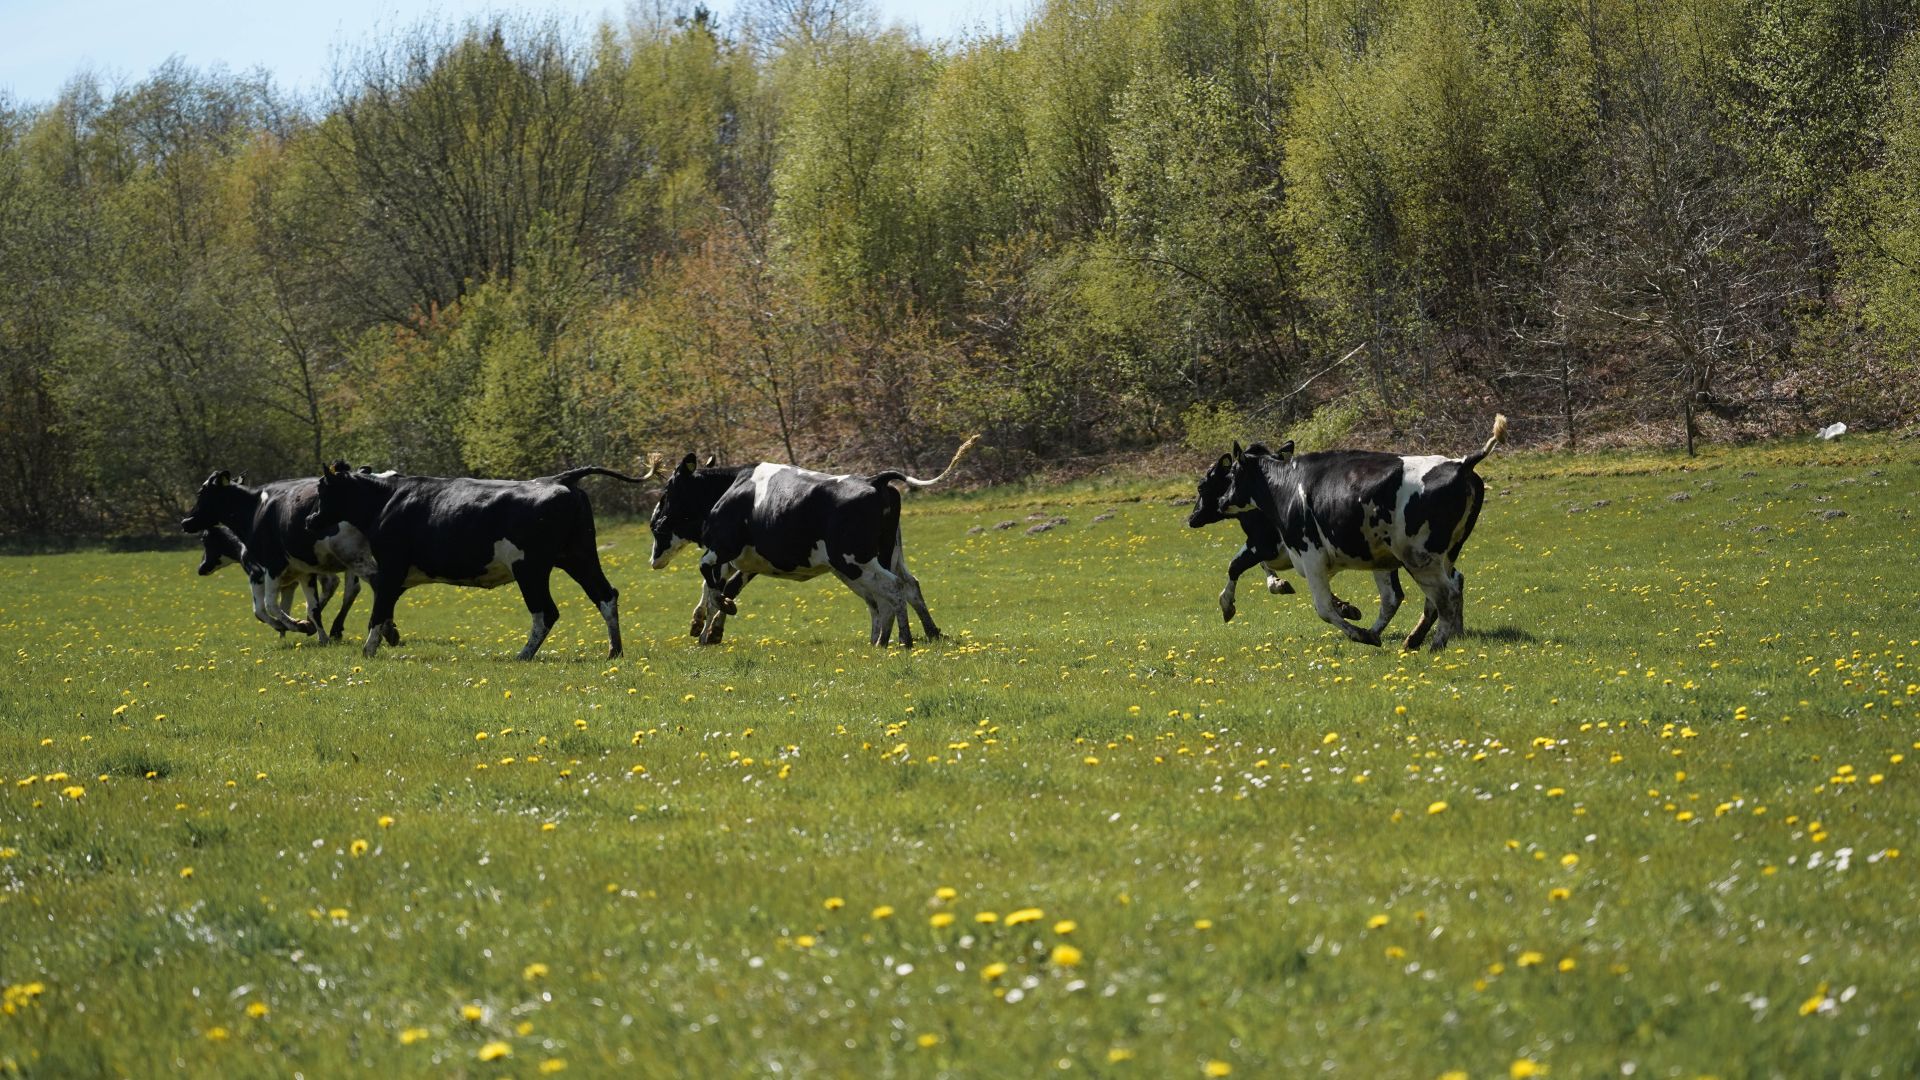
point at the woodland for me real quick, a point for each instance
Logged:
(1122, 228)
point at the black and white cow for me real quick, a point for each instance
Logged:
(478, 533)
(795, 524)
(1358, 509)
(1263, 548)
(219, 549)
(269, 523)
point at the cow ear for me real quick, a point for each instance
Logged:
(686, 464)
(1236, 448)
(1225, 462)
(223, 478)
(1285, 451)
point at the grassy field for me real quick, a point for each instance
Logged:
(1655, 815)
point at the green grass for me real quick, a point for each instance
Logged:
(1681, 713)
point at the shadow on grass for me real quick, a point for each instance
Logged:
(1501, 633)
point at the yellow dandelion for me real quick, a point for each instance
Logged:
(927, 1040)
(186, 871)
(946, 892)
(1065, 927)
(985, 917)
(1377, 922)
(472, 1013)
(357, 848)
(884, 911)
(494, 1051)
(940, 920)
(553, 1065)
(1118, 1054)
(412, 1035)
(1330, 738)
(1203, 924)
(386, 821)
(1529, 958)
(1024, 915)
(1217, 1067)
(1569, 860)
(1559, 894)
(1522, 1068)
(804, 941)
(1567, 964)
(75, 792)
(993, 971)
(833, 903)
(1066, 955)
(257, 1009)
(1437, 807)
(217, 1034)
(535, 970)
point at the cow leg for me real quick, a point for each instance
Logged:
(387, 584)
(532, 577)
(262, 606)
(1388, 584)
(315, 605)
(1276, 584)
(856, 579)
(593, 581)
(1243, 560)
(1440, 584)
(278, 597)
(891, 593)
(910, 590)
(1328, 608)
(348, 591)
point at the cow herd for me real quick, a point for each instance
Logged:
(1317, 513)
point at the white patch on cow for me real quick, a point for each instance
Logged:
(764, 473)
(346, 548)
(753, 562)
(500, 570)
(660, 562)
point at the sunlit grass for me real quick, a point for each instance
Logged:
(1657, 807)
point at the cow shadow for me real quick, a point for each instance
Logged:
(1500, 633)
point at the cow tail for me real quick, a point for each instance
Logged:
(895, 475)
(1499, 435)
(574, 476)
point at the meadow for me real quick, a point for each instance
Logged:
(1654, 815)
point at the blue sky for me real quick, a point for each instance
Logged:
(45, 42)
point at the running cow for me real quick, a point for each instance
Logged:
(1263, 549)
(1358, 509)
(478, 533)
(269, 525)
(219, 549)
(791, 523)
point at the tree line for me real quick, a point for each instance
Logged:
(505, 247)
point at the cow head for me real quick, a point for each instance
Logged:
(344, 496)
(1213, 488)
(1247, 476)
(219, 493)
(218, 548)
(677, 517)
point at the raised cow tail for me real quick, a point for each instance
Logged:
(892, 475)
(1499, 435)
(574, 476)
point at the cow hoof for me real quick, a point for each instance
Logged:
(369, 650)
(392, 635)
(1279, 586)
(1349, 612)
(1367, 637)
(1227, 612)
(613, 654)
(728, 606)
